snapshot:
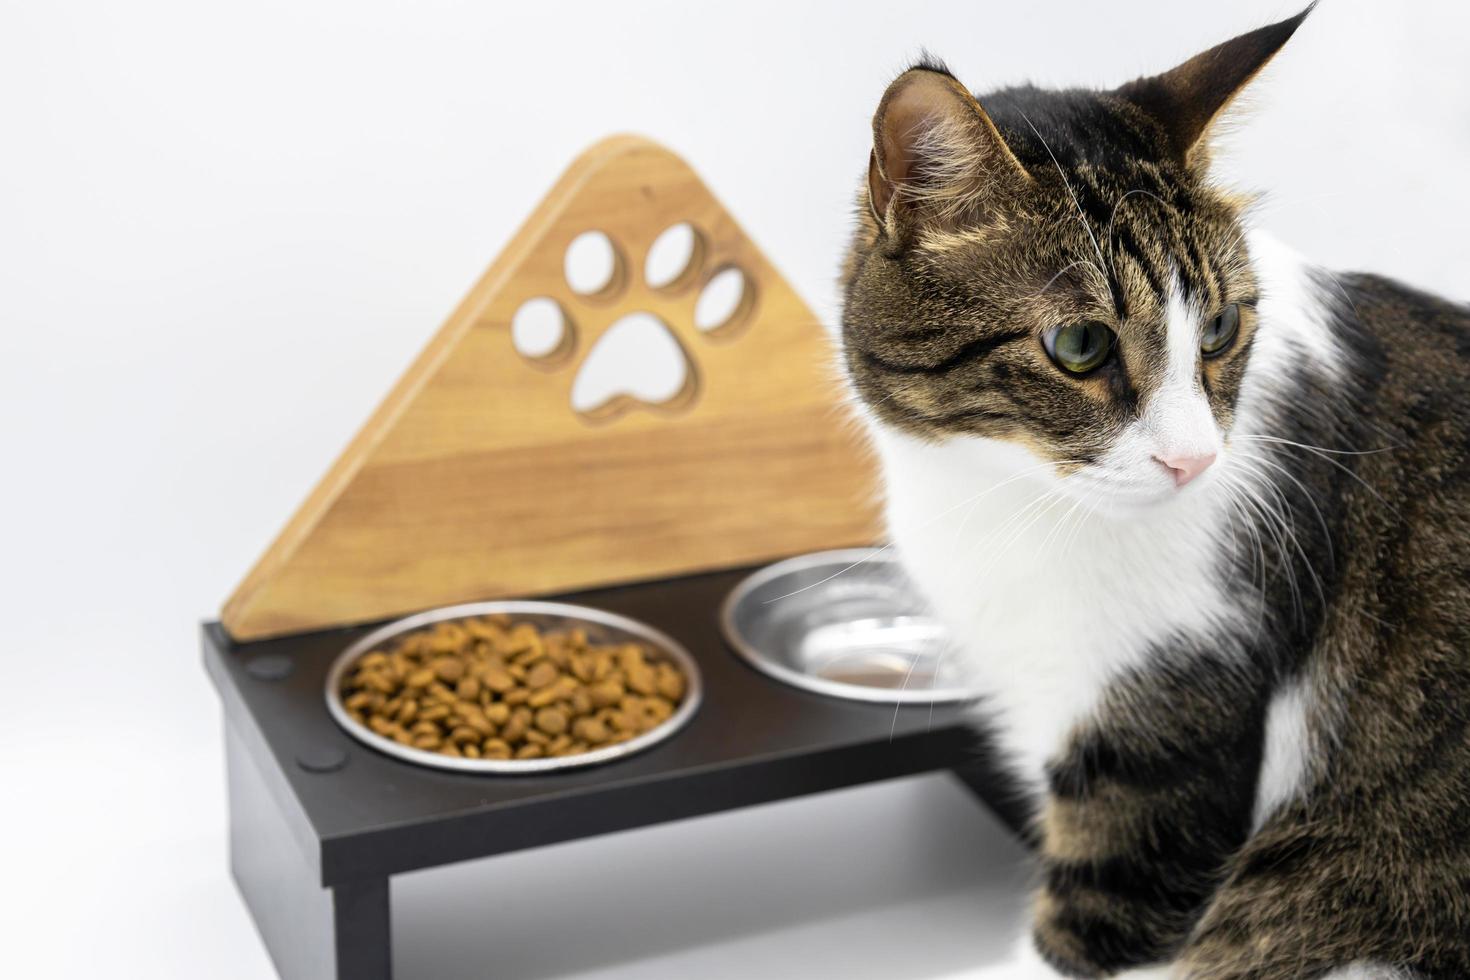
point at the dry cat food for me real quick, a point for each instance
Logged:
(487, 687)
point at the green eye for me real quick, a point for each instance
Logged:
(1220, 331)
(1079, 347)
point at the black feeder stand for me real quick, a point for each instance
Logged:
(319, 823)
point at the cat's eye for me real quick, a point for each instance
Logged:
(1079, 347)
(1220, 331)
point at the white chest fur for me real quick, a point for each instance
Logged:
(1050, 601)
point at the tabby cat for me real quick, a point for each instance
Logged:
(1203, 511)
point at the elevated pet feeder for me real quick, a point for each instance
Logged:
(475, 480)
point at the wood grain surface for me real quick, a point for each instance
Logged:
(476, 479)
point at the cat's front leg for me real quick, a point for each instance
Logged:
(1145, 807)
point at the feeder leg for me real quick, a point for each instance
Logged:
(311, 932)
(362, 931)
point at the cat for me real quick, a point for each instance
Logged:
(1201, 513)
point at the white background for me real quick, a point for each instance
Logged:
(224, 229)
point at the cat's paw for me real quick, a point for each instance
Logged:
(627, 331)
(1026, 963)
(1023, 963)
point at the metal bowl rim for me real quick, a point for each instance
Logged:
(821, 685)
(670, 647)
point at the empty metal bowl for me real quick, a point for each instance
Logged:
(601, 627)
(844, 623)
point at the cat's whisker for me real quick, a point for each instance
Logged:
(1076, 531)
(1065, 269)
(1058, 526)
(1272, 525)
(1019, 515)
(1283, 512)
(1258, 517)
(1053, 498)
(898, 705)
(1258, 554)
(1324, 455)
(1306, 495)
(978, 547)
(1284, 534)
(1321, 449)
(1081, 215)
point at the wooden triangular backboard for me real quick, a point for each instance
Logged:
(476, 479)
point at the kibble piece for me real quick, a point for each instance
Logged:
(670, 683)
(542, 674)
(515, 729)
(592, 730)
(580, 667)
(656, 710)
(552, 721)
(529, 752)
(474, 717)
(498, 679)
(642, 678)
(449, 669)
(605, 693)
(481, 629)
(379, 682)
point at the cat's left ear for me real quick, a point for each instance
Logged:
(936, 155)
(1187, 99)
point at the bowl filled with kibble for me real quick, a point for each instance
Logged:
(513, 687)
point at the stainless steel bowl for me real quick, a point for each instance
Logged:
(843, 623)
(601, 627)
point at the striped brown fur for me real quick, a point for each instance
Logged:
(1070, 206)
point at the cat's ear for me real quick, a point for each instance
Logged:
(1187, 99)
(936, 154)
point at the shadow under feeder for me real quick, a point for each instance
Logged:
(476, 480)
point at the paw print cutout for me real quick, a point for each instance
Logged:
(631, 391)
(631, 317)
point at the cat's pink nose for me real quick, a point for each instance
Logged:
(1186, 468)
